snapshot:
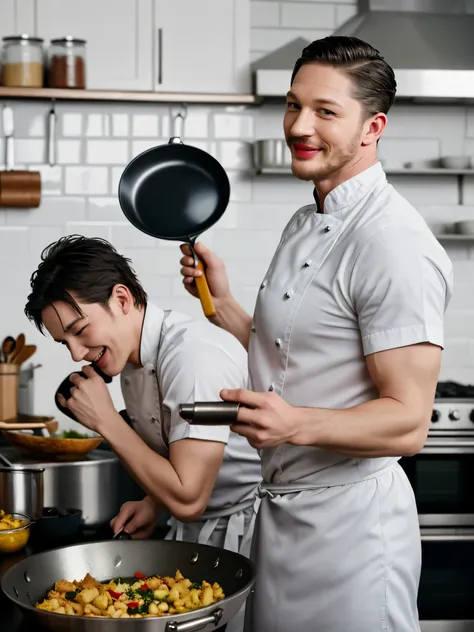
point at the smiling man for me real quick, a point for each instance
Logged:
(86, 295)
(344, 355)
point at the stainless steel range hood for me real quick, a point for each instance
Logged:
(429, 44)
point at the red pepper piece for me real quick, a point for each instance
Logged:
(114, 594)
(139, 575)
(144, 587)
(133, 605)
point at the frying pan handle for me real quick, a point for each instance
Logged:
(195, 624)
(203, 291)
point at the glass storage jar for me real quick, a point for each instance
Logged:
(67, 63)
(22, 61)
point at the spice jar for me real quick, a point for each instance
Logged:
(22, 64)
(67, 63)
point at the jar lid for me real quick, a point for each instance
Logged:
(23, 37)
(69, 39)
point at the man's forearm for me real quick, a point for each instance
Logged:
(382, 427)
(154, 473)
(234, 319)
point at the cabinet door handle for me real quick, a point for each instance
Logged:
(160, 56)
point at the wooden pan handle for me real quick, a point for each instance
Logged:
(204, 292)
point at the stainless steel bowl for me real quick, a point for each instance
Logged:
(272, 153)
(21, 491)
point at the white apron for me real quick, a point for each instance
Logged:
(337, 543)
(230, 528)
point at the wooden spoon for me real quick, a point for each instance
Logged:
(19, 344)
(8, 347)
(24, 355)
(51, 426)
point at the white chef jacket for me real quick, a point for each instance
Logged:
(337, 539)
(186, 360)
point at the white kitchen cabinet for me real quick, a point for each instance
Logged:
(118, 35)
(201, 46)
(17, 17)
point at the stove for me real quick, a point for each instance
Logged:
(453, 412)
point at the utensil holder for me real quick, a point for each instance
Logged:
(9, 390)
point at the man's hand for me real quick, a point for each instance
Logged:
(268, 421)
(139, 518)
(90, 400)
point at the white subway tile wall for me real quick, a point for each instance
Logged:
(95, 142)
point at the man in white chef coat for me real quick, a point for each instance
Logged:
(88, 298)
(344, 354)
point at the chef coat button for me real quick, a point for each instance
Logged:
(278, 342)
(272, 388)
(127, 380)
(253, 330)
(288, 294)
(152, 371)
(153, 419)
(264, 283)
(327, 229)
(307, 263)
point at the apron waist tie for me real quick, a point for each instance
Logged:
(235, 528)
(281, 489)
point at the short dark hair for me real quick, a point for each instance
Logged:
(373, 77)
(89, 267)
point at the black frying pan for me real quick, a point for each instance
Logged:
(176, 192)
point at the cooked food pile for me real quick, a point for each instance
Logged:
(123, 599)
(8, 522)
(14, 532)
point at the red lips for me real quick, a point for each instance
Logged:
(305, 151)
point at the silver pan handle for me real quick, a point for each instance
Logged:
(196, 624)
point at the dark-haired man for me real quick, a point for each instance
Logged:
(88, 298)
(344, 355)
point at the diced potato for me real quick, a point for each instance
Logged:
(160, 594)
(87, 595)
(207, 596)
(153, 609)
(101, 601)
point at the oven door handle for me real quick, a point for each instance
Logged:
(449, 446)
(447, 538)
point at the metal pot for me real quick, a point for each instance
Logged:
(29, 581)
(271, 154)
(21, 491)
(95, 484)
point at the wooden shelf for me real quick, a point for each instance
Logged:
(127, 96)
(390, 172)
(460, 174)
(451, 237)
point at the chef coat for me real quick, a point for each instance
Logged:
(184, 361)
(337, 540)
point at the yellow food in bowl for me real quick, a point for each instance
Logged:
(14, 532)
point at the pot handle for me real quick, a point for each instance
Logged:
(196, 624)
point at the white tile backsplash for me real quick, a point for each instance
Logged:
(72, 124)
(145, 125)
(68, 152)
(95, 141)
(306, 15)
(107, 152)
(97, 125)
(29, 151)
(263, 13)
(120, 125)
(86, 180)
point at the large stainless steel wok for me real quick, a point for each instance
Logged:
(29, 581)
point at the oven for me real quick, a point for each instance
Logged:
(442, 477)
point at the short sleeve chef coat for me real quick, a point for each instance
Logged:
(186, 360)
(366, 275)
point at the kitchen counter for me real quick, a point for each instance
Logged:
(11, 617)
